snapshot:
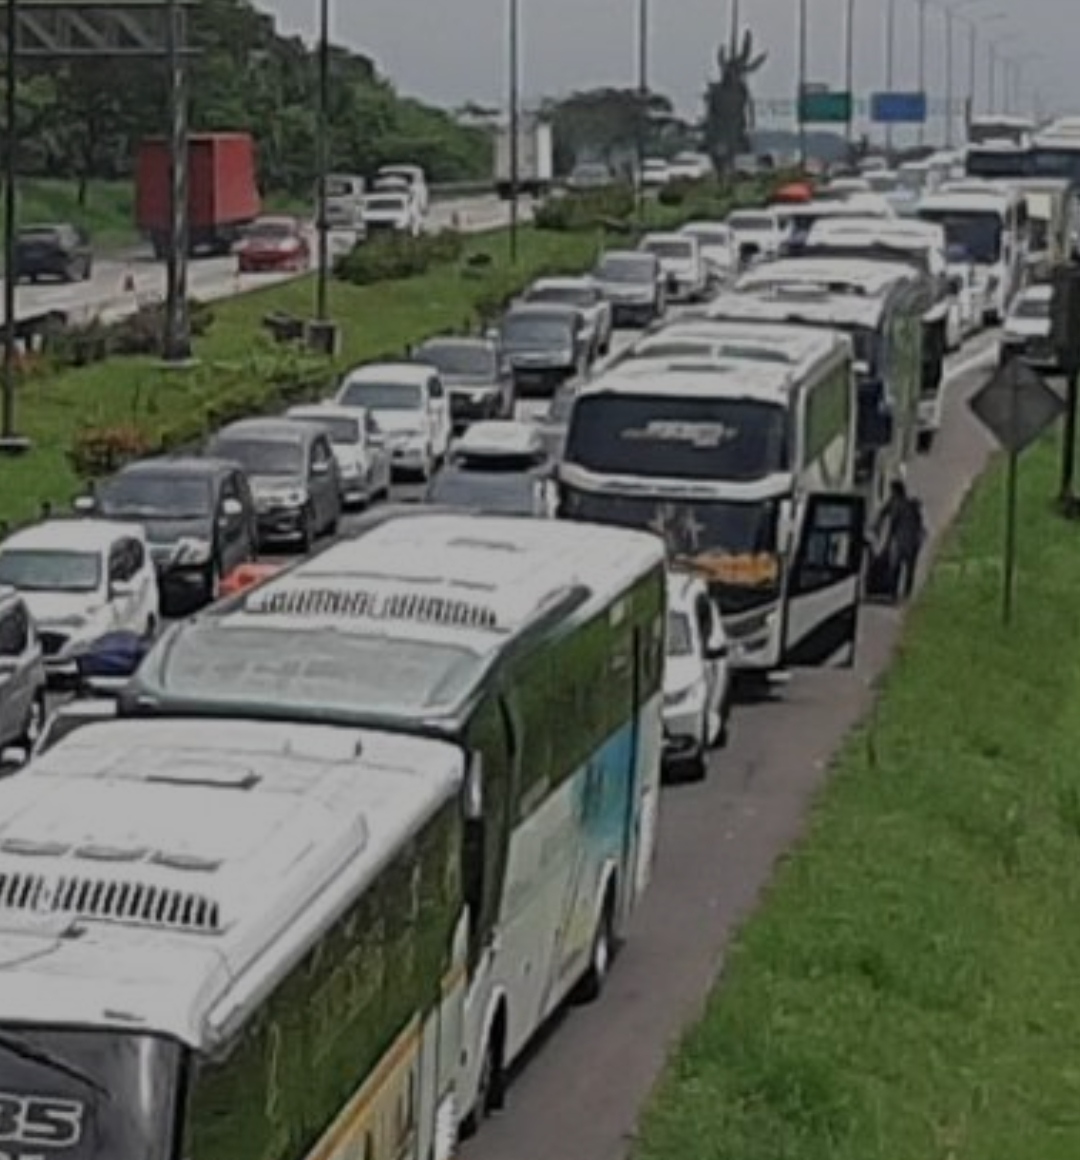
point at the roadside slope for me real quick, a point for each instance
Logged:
(908, 988)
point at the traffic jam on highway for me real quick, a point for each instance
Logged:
(421, 656)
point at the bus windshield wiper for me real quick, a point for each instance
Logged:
(24, 1050)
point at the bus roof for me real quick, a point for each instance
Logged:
(862, 276)
(969, 201)
(795, 347)
(159, 879)
(809, 306)
(397, 628)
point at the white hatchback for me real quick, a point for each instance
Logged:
(359, 448)
(697, 678)
(81, 580)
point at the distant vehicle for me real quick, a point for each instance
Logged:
(344, 201)
(415, 178)
(1000, 127)
(53, 251)
(690, 167)
(391, 213)
(655, 173)
(409, 403)
(497, 466)
(683, 265)
(697, 677)
(535, 160)
(223, 191)
(971, 294)
(81, 579)
(293, 476)
(998, 160)
(718, 249)
(198, 515)
(883, 181)
(273, 244)
(360, 448)
(590, 175)
(871, 165)
(545, 344)
(1053, 224)
(22, 673)
(584, 294)
(1025, 333)
(758, 233)
(635, 285)
(477, 378)
(846, 186)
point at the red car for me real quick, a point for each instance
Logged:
(274, 243)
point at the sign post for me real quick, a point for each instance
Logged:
(1015, 406)
(1065, 338)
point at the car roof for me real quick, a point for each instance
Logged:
(623, 255)
(406, 373)
(540, 309)
(72, 535)
(284, 429)
(314, 411)
(192, 465)
(458, 340)
(494, 437)
(584, 282)
(662, 236)
(276, 219)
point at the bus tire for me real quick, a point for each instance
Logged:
(591, 984)
(491, 1091)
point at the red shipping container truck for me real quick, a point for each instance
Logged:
(223, 192)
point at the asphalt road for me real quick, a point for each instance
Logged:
(580, 1094)
(120, 285)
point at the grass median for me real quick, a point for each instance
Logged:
(908, 989)
(237, 361)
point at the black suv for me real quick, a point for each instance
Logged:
(53, 251)
(199, 518)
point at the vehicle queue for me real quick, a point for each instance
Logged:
(345, 839)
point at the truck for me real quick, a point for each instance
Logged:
(223, 191)
(536, 166)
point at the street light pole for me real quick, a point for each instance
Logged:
(890, 62)
(7, 433)
(991, 89)
(177, 345)
(973, 68)
(323, 225)
(849, 68)
(643, 104)
(949, 95)
(922, 63)
(802, 33)
(515, 144)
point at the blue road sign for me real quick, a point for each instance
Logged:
(898, 108)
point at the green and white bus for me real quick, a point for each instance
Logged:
(535, 648)
(232, 942)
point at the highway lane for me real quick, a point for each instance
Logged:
(582, 1090)
(120, 284)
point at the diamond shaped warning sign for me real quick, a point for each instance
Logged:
(1016, 405)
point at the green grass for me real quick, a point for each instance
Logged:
(376, 320)
(909, 989)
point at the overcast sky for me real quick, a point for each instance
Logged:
(450, 51)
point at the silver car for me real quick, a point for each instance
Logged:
(587, 296)
(22, 674)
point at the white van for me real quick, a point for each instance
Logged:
(344, 201)
(416, 180)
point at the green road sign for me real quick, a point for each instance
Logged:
(825, 108)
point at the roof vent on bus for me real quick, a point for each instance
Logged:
(799, 291)
(365, 604)
(105, 900)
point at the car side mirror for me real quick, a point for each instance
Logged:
(118, 588)
(319, 469)
(376, 439)
(231, 509)
(85, 505)
(717, 651)
(14, 755)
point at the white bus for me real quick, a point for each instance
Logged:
(735, 457)
(1000, 127)
(536, 648)
(233, 942)
(985, 226)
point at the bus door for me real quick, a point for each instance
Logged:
(822, 601)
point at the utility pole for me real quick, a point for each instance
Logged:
(515, 144)
(991, 55)
(849, 69)
(890, 63)
(973, 68)
(7, 433)
(950, 96)
(921, 84)
(643, 106)
(804, 52)
(177, 345)
(322, 277)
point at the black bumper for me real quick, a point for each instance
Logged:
(540, 381)
(280, 524)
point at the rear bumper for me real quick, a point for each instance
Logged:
(541, 381)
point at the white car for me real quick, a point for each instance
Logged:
(1026, 331)
(759, 233)
(682, 264)
(718, 249)
(410, 404)
(697, 677)
(81, 579)
(391, 212)
(359, 447)
(655, 173)
(690, 167)
(586, 295)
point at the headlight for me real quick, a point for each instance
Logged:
(290, 499)
(193, 551)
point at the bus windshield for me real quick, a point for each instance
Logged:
(992, 163)
(978, 234)
(87, 1094)
(678, 438)
(733, 545)
(1050, 161)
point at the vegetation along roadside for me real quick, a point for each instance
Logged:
(908, 990)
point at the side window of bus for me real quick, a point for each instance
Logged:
(827, 413)
(534, 694)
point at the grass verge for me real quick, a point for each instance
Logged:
(908, 989)
(239, 367)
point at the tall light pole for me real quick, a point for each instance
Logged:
(849, 69)
(950, 96)
(515, 98)
(890, 62)
(802, 32)
(997, 59)
(7, 430)
(643, 102)
(322, 225)
(921, 83)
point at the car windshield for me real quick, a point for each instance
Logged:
(383, 396)
(678, 438)
(385, 203)
(262, 456)
(39, 234)
(48, 570)
(96, 1094)
(755, 222)
(680, 640)
(508, 491)
(732, 545)
(669, 247)
(141, 495)
(536, 329)
(272, 229)
(572, 295)
(978, 235)
(339, 187)
(1028, 307)
(343, 431)
(713, 238)
(626, 269)
(460, 360)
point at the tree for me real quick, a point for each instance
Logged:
(728, 104)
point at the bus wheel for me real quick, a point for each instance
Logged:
(592, 982)
(491, 1090)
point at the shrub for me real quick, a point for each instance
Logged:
(577, 212)
(389, 258)
(100, 451)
